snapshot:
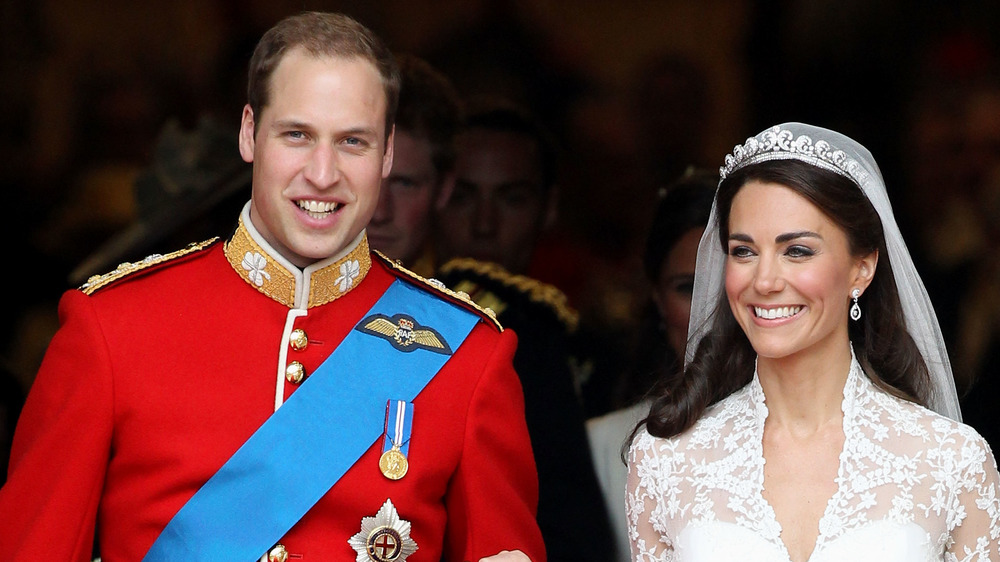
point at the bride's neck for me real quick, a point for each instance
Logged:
(804, 392)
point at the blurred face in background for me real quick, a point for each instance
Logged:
(672, 292)
(500, 205)
(401, 225)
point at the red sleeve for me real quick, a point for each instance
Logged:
(493, 496)
(61, 446)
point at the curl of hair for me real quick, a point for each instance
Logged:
(724, 359)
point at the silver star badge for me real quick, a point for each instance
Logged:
(383, 538)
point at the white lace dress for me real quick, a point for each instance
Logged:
(912, 485)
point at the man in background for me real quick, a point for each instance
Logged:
(422, 175)
(505, 193)
(503, 201)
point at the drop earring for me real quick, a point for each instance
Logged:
(855, 309)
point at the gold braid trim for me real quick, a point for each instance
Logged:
(125, 269)
(256, 266)
(328, 284)
(253, 264)
(535, 290)
(440, 287)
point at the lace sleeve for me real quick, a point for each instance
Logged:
(644, 503)
(976, 508)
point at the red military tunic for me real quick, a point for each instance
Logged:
(153, 381)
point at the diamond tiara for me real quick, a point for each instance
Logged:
(781, 144)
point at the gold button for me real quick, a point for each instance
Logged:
(278, 553)
(295, 372)
(299, 340)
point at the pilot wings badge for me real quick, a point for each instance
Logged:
(404, 333)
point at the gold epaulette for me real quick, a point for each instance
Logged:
(95, 282)
(440, 287)
(535, 290)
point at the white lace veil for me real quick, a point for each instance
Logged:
(835, 152)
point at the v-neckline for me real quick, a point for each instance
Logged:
(768, 509)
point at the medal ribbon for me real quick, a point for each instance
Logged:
(398, 424)
(303, 449)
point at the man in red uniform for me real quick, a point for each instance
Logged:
(285, 394)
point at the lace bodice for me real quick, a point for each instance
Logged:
(911, 485)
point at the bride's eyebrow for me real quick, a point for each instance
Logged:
(789, 236)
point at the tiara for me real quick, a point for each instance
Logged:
(781, 144)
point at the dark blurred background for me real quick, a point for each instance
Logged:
(634, 90)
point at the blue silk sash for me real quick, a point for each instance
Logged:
(303, 449)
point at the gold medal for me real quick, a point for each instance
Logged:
(398, 421)
(393, 463)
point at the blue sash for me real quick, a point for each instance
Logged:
(303, 449)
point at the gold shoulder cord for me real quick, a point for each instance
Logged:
(441, 288)
(127, 268)
(535, 289)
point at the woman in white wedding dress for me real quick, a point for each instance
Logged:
(817, 417)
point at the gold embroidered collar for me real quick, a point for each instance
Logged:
(322, 282)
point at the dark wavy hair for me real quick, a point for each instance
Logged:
(724, 360)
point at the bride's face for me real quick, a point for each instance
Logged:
(789, 273)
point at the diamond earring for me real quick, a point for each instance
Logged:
(855, 309)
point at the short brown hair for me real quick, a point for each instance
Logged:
(502, 115)
(321, 34)
(429, 108)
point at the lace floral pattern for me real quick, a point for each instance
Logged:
(905, 473)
